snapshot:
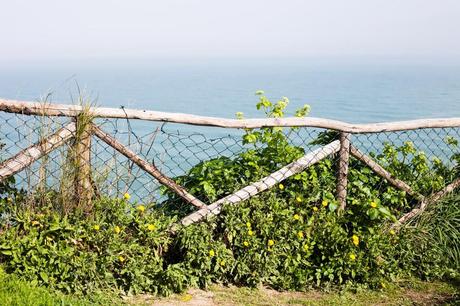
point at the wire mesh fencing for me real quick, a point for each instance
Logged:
(195, 169)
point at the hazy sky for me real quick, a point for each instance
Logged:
(59, 29)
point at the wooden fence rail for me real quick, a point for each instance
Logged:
(342, 147)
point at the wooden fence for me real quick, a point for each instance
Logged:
(343, 148)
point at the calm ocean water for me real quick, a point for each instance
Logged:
(349, 92)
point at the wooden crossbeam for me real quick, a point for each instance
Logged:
(265, 183)
(147, 167)
(40, 109)
(27, 156)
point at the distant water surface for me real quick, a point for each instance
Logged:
(349, 92)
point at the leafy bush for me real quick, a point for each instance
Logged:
(120, 247)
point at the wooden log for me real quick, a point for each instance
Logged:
(265, 183)
(27, 156)
(427, 201)
(342, 177)
(38, 109)
(82, 160)
(382, 172)
(148, 167)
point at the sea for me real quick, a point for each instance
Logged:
(350, 91)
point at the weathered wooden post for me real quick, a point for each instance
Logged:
(82, 153)
(342, 173)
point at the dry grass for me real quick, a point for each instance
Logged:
(402, 293)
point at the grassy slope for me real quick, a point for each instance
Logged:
(16, 292)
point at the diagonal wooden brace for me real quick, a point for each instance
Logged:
(265, 183)
(146, 166)
(382, 172)
(27, 156)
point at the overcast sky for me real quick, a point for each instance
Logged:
(59, 29)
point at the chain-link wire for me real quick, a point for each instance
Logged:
(187, 154)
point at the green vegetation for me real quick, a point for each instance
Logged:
(292, 237)
(16, 292)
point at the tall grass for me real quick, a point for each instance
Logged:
(435, 236)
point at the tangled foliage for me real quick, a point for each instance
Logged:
(290, 237)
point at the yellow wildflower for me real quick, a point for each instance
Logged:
(96, 227)
(355, 240)
(300, 235)
(151, 227)
(325, 203)
(298, 199)
(248, 224)
(117, 229)
(250, 233)
(140, 208)
(271, 242)
(121, 258)
(211, 253)
(126, 196)
(35, 223)
(382, 284)
(315, 208)
(306, 247)
(352, 256)
(373, 204)
(392, 232)
(246, 244)
(222, 263)
(281, 186)
(296, 217)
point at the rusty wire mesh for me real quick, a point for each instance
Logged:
(176, 149)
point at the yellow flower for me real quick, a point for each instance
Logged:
(151, 227)
(382, 284)
(248, 224)
(250, 233)
(211, 253)
(246, 244)
(117, 229)
(352, 256)
(222, 263)
(35, 223)
(325, 203)
(281, 186)
(140, 208)
(355, 240)
(315, 208)
(96, 227)
(271, 242)
(392, 232)
(373, 204)
(121, 258)
(300, 234)
(296, 217)
(306, 247)
(298, 199)
(126, 196)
